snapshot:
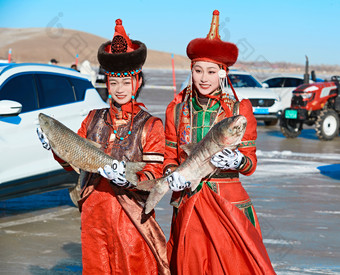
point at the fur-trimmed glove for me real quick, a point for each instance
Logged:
(177, 182)
(227, 159)
(115, 173)
(43, 139)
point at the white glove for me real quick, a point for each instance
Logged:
(115, 173)
(177, 182)
(227, 159)
(43, 139)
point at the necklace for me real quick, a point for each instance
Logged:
(115, 130)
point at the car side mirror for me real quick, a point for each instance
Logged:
(10, 108)
(265, 85)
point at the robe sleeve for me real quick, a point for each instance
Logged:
(171, 153)
(248, 144)
(153, 144)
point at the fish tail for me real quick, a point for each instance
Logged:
(146, 185)
(156, 194)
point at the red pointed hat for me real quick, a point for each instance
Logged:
(122, 57)
(212, 48)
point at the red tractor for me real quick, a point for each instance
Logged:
(314, 104)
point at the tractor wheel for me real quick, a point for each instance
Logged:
(327, 125)
(271, 122)
(290, 128)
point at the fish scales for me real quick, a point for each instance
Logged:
(77, 151)
(227, 133)
(80, 152)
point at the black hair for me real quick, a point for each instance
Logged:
(141, 75)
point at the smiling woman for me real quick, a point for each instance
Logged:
(115, 236)
(214, 229)
(121, 89)
(204, 76)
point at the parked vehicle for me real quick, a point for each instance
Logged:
(266, 103)
(100, 84)
(25, 91)
(284, 84)
(314, 104)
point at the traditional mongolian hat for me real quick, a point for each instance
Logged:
(212, 48)
(122, 57)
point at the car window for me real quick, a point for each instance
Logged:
(54, 90)
(275, 82)
(80, 86)
(293, 82)
(21, 89)
(243, 81)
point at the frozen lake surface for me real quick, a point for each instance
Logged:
(295, 191)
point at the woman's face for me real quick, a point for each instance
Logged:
(121, 88)
(205, 77)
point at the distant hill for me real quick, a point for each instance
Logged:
(43, 44)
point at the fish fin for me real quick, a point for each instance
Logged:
(75, 168)
(132, 168)
(194, 184)
(156, 194)
(217, 171)
(187, 148)
(96, 144)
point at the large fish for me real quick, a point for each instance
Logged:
(79, 152)
(225, 134)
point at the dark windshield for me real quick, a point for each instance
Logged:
(244, 81)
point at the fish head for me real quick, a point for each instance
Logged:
(45, 122)
(230, 131)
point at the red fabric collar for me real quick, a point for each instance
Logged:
(219, 98)
(125, 109)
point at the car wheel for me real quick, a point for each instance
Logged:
(327, 125)
(271, 122)
(290, 128)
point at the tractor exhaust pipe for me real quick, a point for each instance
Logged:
(313, 76)
(306, 75)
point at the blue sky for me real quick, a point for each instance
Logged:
(270, 31)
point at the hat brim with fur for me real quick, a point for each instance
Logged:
(122, 62)
(214, 50)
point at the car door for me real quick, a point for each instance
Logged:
(21, 152)
(276, 84)
(57, 98)
(289, 85)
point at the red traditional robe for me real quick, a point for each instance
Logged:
(215, 228)
(116, 238)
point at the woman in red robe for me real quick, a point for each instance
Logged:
(214, 228)
(116, 237)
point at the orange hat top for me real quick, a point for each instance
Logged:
(212, 48)
(122, 56)
(121, 43)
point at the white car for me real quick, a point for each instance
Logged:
(25, 91)
(266, 103)
(284, 85)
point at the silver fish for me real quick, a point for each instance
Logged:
(227, 133)
(79, 152)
